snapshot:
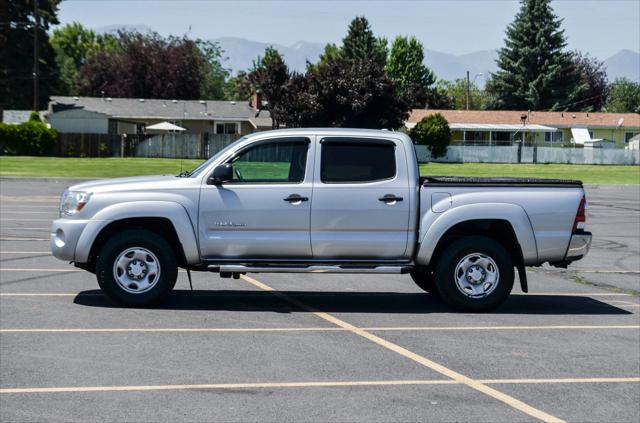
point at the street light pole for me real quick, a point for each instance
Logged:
(36, 58)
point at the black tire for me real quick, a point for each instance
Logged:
(144, 239)
(463, 251)
(426, 280)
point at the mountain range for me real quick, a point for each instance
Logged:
(240, 53)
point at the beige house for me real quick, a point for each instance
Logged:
(117, 116)
(504, 127)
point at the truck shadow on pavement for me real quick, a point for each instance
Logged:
(358, 302)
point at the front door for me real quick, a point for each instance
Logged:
(263, 213)
(361, 200)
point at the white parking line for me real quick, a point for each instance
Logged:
(315, 329)
(314, 384)
(465, 380)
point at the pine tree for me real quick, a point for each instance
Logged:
(405, 66)
(17, 22)
(535, 72)
(361, 44)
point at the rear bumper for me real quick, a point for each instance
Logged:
(578, 246)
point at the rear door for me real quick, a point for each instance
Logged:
(264, 211)
(361, 204)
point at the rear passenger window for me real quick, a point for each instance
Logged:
(347, 160)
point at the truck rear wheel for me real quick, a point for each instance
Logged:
(137, 268)
(474, 273)
(426, 280)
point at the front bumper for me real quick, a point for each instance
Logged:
(578, 246)
(64, 237)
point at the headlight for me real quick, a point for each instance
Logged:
(73, 201)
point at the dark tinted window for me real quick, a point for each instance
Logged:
(357, 161)
(272, 161)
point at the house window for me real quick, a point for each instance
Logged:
(226, 128)
(628, 136)
(140, 128)
(552, 137)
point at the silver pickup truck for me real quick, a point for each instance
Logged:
(320, 201)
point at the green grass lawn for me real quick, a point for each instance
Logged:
(114, 167)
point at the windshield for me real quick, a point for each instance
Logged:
(198, 170)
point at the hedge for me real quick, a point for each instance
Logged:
(31, 138)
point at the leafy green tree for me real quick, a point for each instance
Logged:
(361, 44)
(17, 22)
(238, 88)
(405, 66)
(214, 83)
(434, 132)
(73, 45)
(593, 76)
(535, 72)
(457, 92)
(330, 52)
(624, 96)
(270, 74)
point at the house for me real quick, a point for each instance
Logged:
(118, 116)
(505, 127)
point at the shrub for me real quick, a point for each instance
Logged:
(31, 138)
(433, 131)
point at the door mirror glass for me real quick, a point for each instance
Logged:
(221, 173)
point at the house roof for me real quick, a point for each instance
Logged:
(18, 116)
(133, 108)
(513, 117)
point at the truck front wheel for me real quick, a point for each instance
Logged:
(474, 273)
(137, 268)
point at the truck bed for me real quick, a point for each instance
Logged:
(497, 182)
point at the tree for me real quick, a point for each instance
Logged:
(593, 76)
(146, 66)
(17, 22)
(270, 74)
(624, 97)
(405, 66)
(361, 44)
(238, 88)
(457, 92)
(330, 52)
(213, 86)
(432, 131)
(535, 73)
(343, 93)
(73, 45)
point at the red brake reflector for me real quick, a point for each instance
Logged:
(581, 216)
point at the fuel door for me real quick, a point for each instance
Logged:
(440, 202)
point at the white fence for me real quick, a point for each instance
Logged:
(516, 154)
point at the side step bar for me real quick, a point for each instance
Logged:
(240, 268)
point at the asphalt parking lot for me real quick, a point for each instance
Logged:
(317, 347)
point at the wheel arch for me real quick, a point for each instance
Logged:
(167, 219)
(506, 223)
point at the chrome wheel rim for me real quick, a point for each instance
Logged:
(476, 275)
(136, 270)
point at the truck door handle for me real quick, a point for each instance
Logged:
(295, 198)
(390, 198)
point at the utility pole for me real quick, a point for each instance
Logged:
(36, 56)
(468, 89)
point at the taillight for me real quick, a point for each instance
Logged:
(581, 216)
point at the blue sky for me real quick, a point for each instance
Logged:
(599, 27)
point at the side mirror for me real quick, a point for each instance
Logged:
(222, 173)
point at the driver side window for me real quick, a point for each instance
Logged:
(273, 161)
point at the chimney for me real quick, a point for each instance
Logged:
(256, 100)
